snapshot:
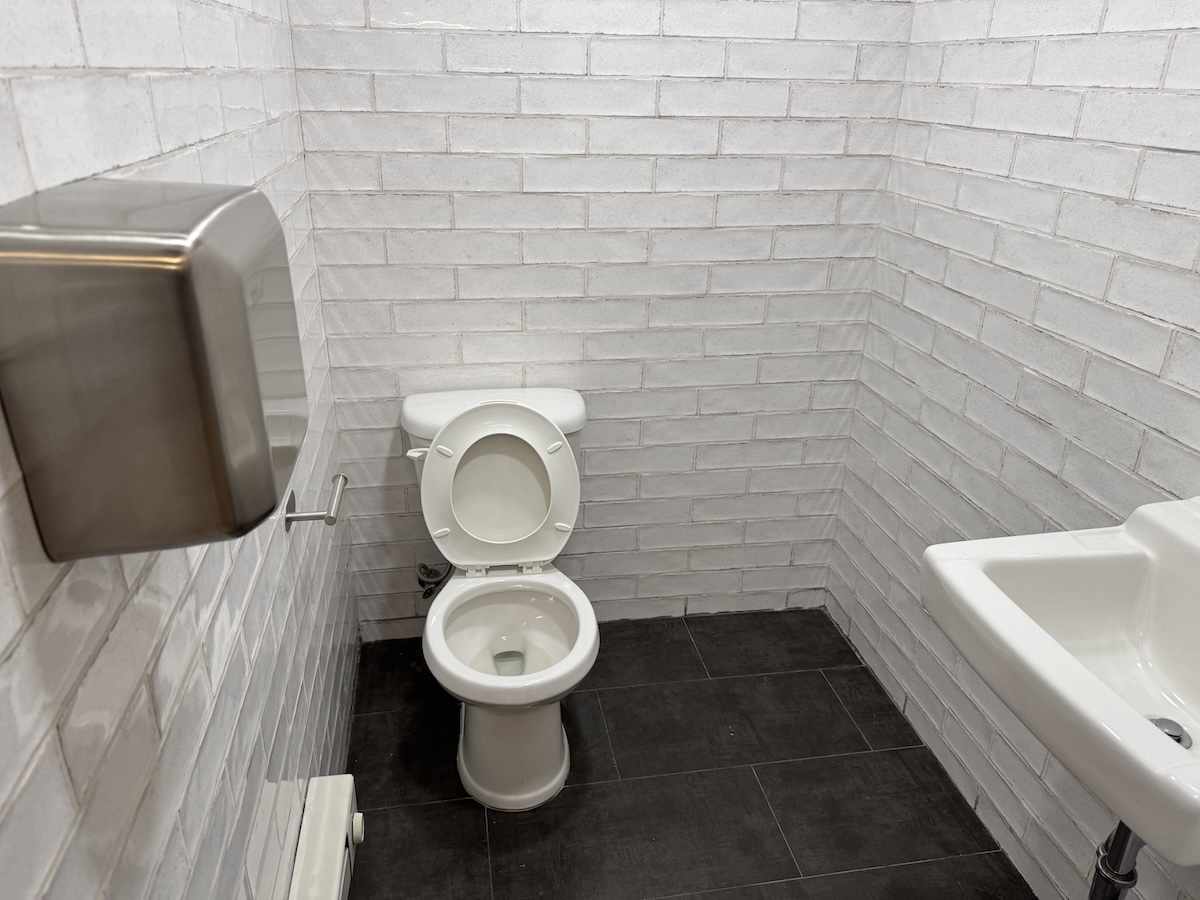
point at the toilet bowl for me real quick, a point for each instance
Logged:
(511, 647)
(508, 635)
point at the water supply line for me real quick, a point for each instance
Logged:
(1116, 857)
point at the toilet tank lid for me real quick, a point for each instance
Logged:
(423, 415)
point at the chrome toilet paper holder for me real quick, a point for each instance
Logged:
(329, 516)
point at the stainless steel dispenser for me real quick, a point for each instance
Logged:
(150, 366)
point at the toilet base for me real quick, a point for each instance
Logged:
(512, 758)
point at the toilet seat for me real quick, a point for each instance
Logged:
(500, 487)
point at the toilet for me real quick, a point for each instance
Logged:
(509, 635)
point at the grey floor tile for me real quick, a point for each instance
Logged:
(391, 675)
(870, 809)
(986, 876)
(629, 839)
(762, 642)
(720, 722)
(437, 851)
(642, 652)
(883, 725)
(406, 755)
(587, 736)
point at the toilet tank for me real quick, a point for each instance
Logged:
(423, 415)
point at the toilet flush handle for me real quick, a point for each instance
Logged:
(417, 453)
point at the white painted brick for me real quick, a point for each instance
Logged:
(835, 173)
(452, 248)
(995, 286)
(717, 174)
(591, 316)
(1060, 262)
(491, 15)
(730, 18)
(155, 42)
(1132, 229)
(1142, 396)
(776, 209)
(1134, 15)
(1107, 170)
(380, 211)
(819, 100)
(1035, 110)
(586, 246)
(658, 211)
(446, 93)
(593, 17)
(955, 231)
(657, 56)
(1167, 463)
(1169, 121)
(1184, 364)
(1104, 60)
(520, 281)
(711, 244)
(701, 372)
(653, 136)
(641, 281)
(775, 59)
(1008, 201)
(373, 131)
(115, 112)
(40, 34)
(821, 241)
(333, 48)
(950, 20)
(1092, 425)
(852, 20)
(1113, 488)
(1034, 348)
(971, 150)
(1161, 293)
(723, 98)
(418, 172)
(994, 62)
(341, 91)
(882, 62)
(518, 211)
(697, 430)
(516, 53)
(1100, 326)
(385, 282)
(1038, 17)
(1170, 179)
(587, 96)
(516, 135)
(1184, 70)
(806, 275)
(327, 12)
(782, 136)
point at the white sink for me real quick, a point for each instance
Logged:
(1086, 635)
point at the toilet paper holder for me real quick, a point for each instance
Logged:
(329, 515)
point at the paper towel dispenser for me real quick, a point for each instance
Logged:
(150, 366)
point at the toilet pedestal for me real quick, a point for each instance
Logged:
(512, 758)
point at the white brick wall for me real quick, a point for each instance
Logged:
(664, 204)
(1029, 361)
(164, 711)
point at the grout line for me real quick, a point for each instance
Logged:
(487, 840)
(695, 646)
(899, 865)
(625, 779)
(846, 710)
(763, 791)
(608, 736)
(626, 687)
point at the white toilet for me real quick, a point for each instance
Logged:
(508, 634)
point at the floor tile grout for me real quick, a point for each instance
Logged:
(696, 647)
(846, 710)
(763, 791)
(612, 751)
(839, 872)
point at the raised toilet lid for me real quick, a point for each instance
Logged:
(500, 487)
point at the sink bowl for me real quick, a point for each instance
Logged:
(1087, 635)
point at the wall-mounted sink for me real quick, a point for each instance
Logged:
(1087, 635)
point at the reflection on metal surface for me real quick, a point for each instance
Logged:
(150, 365)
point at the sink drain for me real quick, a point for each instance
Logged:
(1174, 731)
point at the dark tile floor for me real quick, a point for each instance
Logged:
(747, 756)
